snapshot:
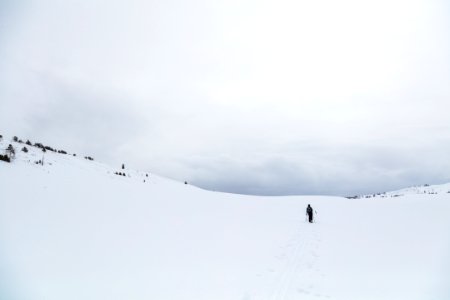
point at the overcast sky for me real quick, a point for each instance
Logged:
(260, 97)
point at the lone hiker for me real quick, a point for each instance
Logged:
(309, 212)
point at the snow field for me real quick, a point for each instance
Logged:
(72, 229)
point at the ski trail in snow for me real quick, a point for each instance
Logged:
(299, 266)
(293, 269)
(298, 258)
(280, 289)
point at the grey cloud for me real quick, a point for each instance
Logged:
(85, 120)
(363, 170)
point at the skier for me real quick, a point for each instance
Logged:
(309, 212)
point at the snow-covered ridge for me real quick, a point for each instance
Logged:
(54, 158)
(414, 190)
(423, 189)
(71, 228)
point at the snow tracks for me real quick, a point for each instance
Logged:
(298, 271)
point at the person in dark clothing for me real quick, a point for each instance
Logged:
(309, 212)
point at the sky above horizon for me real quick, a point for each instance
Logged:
(255, 97)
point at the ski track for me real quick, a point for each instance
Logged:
(300, 265)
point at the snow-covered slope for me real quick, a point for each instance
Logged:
(72, 229)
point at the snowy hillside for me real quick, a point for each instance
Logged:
(72, 229)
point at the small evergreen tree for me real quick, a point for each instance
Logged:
(15, 139)
(24, 149)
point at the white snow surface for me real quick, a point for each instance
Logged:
(73, 230)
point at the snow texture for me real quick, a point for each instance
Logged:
(72, 229)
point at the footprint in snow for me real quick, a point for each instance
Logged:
(302, 291)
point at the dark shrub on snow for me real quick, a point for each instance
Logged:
(4, 158)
